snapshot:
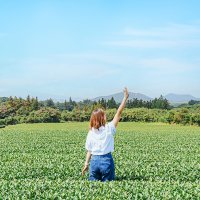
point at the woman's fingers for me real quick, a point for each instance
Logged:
(85, 168)
(126, 92)
(83, 171)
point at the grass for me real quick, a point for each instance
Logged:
(152, 161)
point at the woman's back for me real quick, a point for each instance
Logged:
(101, 141)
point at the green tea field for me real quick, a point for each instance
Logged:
(152, 161)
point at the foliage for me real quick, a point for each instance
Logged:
(30, 110)
(45, 115)
(192, 102)
(157, 103)
(152, 161)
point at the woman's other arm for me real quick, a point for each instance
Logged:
(85, 168)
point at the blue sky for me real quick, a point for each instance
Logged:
(91, 48)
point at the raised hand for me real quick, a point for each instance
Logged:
(126, 94)
(121, 107)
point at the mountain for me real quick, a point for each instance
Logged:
(119, 96)
(172, 98)
(180, 98)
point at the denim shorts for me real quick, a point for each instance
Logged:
(102, 168)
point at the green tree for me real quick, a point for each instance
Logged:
(50, 103)
(111, 103)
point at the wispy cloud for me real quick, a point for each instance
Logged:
(171, 30)
(64, 73)
(55, 69)
(156, 43)
(122, 62)
(173, 35)
(66, 68)
(167, 65)
(55, 76)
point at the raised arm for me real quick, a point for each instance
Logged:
(121, 107)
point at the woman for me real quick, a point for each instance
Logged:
(100, 144)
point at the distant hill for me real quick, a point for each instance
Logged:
(180, 98)
(172, 98)
(119, 96)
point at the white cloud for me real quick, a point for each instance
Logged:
(64, 73)
(156, 43)
(121, 62)
(55, 69)
(60, 71)
(171, 36)
(168, 65)
(172, 30)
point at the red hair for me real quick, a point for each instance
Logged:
(97, 119)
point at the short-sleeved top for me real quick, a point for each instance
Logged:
(101, 141)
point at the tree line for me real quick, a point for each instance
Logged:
(31, 103)
(15, 110)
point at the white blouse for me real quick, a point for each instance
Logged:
(101, 141)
